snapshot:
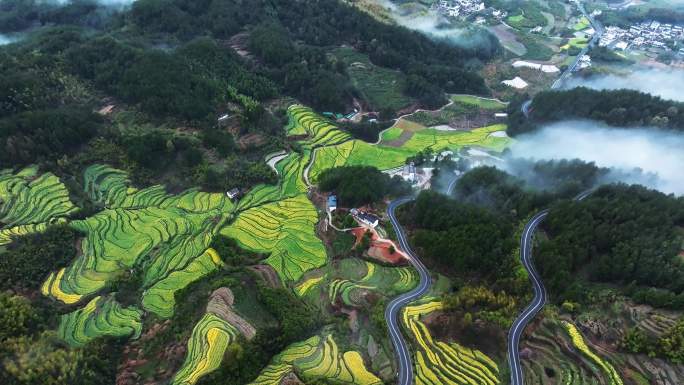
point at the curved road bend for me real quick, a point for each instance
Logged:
(452, 186)
(392, 311)
(537, 302)
(539, 298)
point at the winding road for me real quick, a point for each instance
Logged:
(392, 311)
(539, 298)
(537, 302)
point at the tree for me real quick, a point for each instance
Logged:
(17, 316)
(360, 185)
(30, 258)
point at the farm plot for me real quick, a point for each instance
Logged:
(102, 316)
(304, 121)
(386, 281)
(159, 298)
(318, 358)
(384, 156)
(578, 342)
(437, 362)
(304, 287)
(551, 358)
(484, 103)
(29, 203)
(358, 153)
(454, 140)
(159, 233)
(206, 347)
(576, 42)
(380, 87)
(285, 230)
(464, 113)
(582, 23)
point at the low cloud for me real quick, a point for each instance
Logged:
(109, 3)
(647, 156)
(666, 83)
(438, 27)
(8, 39)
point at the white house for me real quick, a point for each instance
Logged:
(368, 219)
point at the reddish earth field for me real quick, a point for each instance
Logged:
(380, 248)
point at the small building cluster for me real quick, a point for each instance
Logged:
(645, 35)
(332, 203)
(465, 8)
(584, 62)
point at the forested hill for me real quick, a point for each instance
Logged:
(626, 235)
(624, 108)
(292, 42)
(170, 68)
(292, 39)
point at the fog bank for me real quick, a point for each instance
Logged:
(438, 27)
(113, 3)
(8, 39)
(666, 83)
(651, 150)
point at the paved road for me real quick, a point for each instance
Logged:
(539, 298)
(392, 311)
(598, 28)
(452, 186)
(534, 307)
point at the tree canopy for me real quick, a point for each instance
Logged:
(361, 185)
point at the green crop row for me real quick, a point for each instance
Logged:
(383, 280)
(111, 187)
(284, 229)
(28, 202)
(167, 236)
(384, 157)
(304, 120)
(159, 298)
(441, 363)
(206, 347)
(318, 359)
(579, 343)
(102, 316)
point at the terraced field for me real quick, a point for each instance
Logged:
(304, 287)
(208, 342)
(29, 202)
(159, 298)
(437, 362)
(318, 358)
(334, 148)
(606, 367)
(555, 359)
(350, 288)
(553, 363)
(166, 236)
(285, 230)
(384, 156)
(102, 316)
(487, 104)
